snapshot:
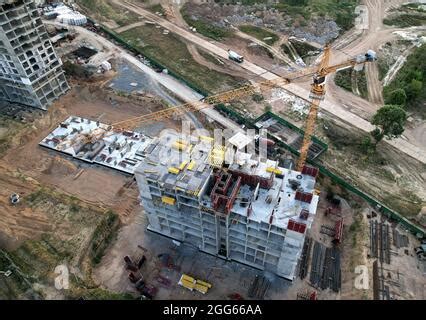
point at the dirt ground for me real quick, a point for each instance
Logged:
(226, 277)
(94, 185)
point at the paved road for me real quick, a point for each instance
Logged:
(178, 88)
(328, 104)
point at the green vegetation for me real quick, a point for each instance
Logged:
(104, 10)
(267, 108)
(8, 129)
(341, 11)
(156, 8)
(389, 121)
(405, 20)
(257, 97)
(207, 29)
(76, 70)
(303, 48)
(346, 78)
(397, 97)
(410, 79)
(103, 235)
(170, 51)
(383, 68)
(287, 51)
(260, 33)
(407, 15)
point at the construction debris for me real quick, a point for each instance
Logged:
(399, 240)
(379, 241)
(122, 151)
(191, 283)
(259, 287)
(14, 198)
(304, 262)
(325, 269)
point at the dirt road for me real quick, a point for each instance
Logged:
(358, 40)
(277, 54)
(328, 105)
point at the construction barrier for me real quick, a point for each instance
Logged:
(416, 230)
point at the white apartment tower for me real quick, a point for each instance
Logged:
(30, 70)
(249, 210)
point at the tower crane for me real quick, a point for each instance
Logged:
(317, 94)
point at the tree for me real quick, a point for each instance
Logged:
(416, 87)
(397, 97)
(367, 147)
(389, 121)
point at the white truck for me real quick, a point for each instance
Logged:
(232, 55)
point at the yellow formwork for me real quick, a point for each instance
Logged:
(174, 170)
(168, 200)
(191, 165)
(183, 164)
(188, 278)
(187, 284)
(203, 283)
(274, 170)
(179, 146)
(205, 138)
(201, 288)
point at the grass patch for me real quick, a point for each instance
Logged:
(303, 49)
(103, 11)
(207, 29)
(287, 51)
(171, 51)
(260, 33)
(156, 8)
(104, 233)
(405, 20)
(345, 77)
(383, 68)
(8, 130)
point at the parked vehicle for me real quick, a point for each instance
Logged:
(232, 55)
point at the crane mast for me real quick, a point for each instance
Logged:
(317, 95)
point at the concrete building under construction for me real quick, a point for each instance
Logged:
(30, 71)
(244, 209)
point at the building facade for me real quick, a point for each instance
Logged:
(250, 211)
(30, 71)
